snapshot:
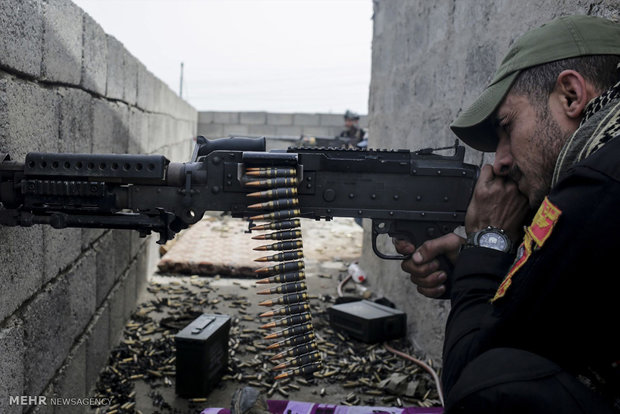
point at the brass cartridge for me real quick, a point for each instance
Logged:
(284, 289)
(288, 321)
(294, 341)
(296, 351)
(282, 257)
(279, 225)
(287, 310)
(284, 278)
(286, 245)
(279, 235)
(292, 331)
(284, 192)
(306, 370)
(282, 267)
(288, 299)
(276, 215)
(302, 360)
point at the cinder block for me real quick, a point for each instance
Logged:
(76, 121)
(21, 36)
(211, 130)
(206, 117)
(129, 285)
(130, 78)
(28, 117)
(266, 130)
(159, 132)
(331, 120)
(115, 68)
(110, 127)
(61, 247)
(306, 119)
(81, 282)
(138, 127)
(97, 345)
(105, 259)
(144, 268)
(146, 84)
(116, 299)
(122, 250)
(232, 130)
(62, 42)
(288, 131)
(279, 119)
(21, 272)
(316, 131)
(94, 57)
(11, 365)
(71, 380)
(253, 118)
(47, 338)
(226, 117)
(90, 236)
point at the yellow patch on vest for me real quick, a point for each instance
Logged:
(538, 232)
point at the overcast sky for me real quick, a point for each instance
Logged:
(250, 55)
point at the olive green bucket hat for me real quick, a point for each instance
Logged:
(562, 38)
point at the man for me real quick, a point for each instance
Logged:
(533, 329)
(352, 131)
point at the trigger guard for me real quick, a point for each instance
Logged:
(375, 249)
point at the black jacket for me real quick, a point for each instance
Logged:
(562, 300)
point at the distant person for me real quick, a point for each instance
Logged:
(352, 130)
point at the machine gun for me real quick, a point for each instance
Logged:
(416, 195)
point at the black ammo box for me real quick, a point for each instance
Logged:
(202, 355)
(368, 321)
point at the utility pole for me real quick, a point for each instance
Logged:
(181, 82)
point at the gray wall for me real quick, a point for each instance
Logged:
(292, 126)
(64, 294)
(430, 59)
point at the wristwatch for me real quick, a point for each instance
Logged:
(490, 238)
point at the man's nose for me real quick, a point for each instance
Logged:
(503, 158)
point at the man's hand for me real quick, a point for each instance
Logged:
(496, 202)
(423, 266)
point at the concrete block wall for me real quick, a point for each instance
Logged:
(65, 85)
(288, 127)
(429, 61)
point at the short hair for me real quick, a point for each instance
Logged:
(537, 82)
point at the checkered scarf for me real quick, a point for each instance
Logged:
(600, 124)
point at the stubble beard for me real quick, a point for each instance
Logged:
(547, 140)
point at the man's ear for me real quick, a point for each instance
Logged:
(574, 92)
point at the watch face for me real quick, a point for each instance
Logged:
(493, 240)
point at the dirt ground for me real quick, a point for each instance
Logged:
(141, 370)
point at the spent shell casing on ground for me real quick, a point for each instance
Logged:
(284, 192)
(288, 321)
(282, 257)
(306, 370)
(284, 278)
(296, 351)
(268, 172)
(282, 267)
(275, 204)
(285, 245)
(294, 341)
(278, 225)
(292, 331)
(279, 235)
(284, 288)
(299, 361)
(276, 215)
(273, 182)
(286, 299)
(287, 310)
